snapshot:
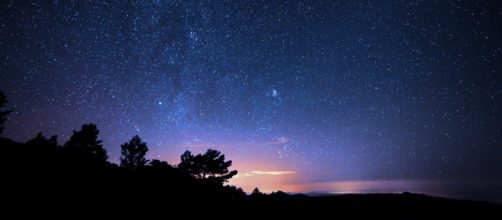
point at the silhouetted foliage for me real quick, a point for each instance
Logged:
(133, 153)
(188, 164)
(3, 113)
(208, 166)
(85, 143)
(159, 164)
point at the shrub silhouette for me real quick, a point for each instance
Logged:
(133, 153)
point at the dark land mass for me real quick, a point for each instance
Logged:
(42, 179)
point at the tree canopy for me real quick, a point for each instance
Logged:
(86, 143)
(133, 153)
(208, 166)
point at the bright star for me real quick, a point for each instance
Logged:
(274, 93)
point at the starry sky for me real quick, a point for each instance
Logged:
(303, 96)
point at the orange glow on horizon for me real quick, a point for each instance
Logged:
(267, 178)
(361, 186)
(253, 172)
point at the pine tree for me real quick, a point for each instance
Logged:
(208, 166)
(85, 143)
(133, 153)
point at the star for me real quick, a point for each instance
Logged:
(275, 93)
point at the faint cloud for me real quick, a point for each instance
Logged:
(267, 172)
(274, 173)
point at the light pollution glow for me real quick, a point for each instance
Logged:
(275, 175)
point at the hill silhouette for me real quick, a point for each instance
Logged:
(75, 180)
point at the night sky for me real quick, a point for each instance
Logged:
(324, 96)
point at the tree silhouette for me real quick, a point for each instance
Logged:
(256, 191)
(3, 113)
(188, 164)
(85, 142)
(133, 153)
(208, 166)
(216, 167)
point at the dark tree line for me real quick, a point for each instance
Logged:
(77, 177)
(85, 147)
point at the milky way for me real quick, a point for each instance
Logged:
(297, 92)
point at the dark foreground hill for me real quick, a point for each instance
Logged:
(86, 205)
(42, 180)
(374, 206)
